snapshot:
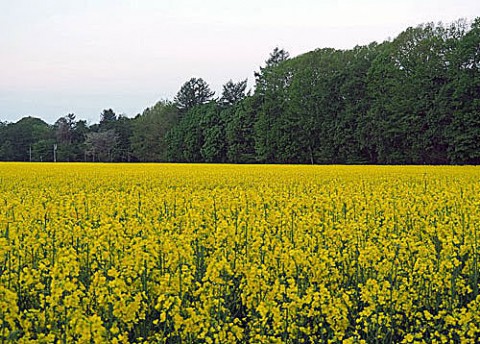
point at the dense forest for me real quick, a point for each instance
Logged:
(414, 99)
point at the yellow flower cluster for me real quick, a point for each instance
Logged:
(153, 253)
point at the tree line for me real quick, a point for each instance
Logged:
(411, 100)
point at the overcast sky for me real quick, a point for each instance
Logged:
(63, 56)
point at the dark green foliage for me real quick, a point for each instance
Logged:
(70, 138)
(124, 131)
(107, 120)
(214, 142)
(412, 100)
(26, 140)
(272, 83)
(186, 139)
(464, 130)
(233, 92)
(239, 132)
(192, 93)
(406, 83)
(149, 132)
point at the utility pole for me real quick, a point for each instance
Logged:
(30, 152)
(55, 152)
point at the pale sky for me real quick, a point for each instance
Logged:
(63, 56)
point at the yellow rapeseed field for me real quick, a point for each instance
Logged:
(112, 253)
